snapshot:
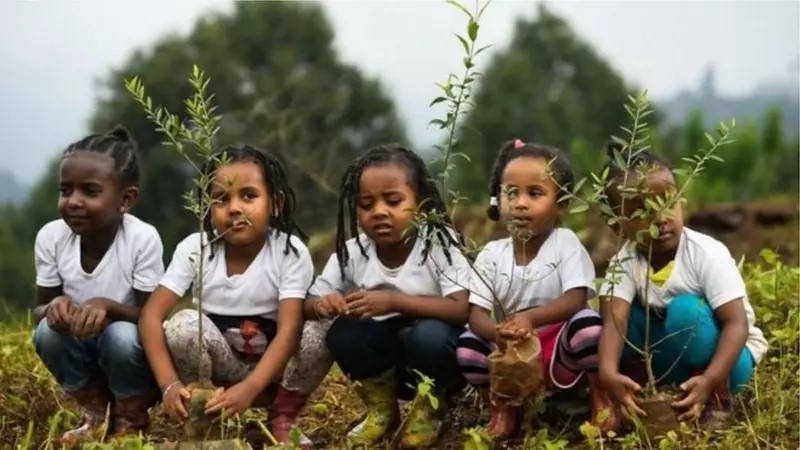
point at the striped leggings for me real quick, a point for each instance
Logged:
(568, 349)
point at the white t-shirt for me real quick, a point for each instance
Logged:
(703, 266)
(132, 261)
(434, 277)
(561, 264)
(272, 276)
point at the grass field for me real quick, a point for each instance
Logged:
(33, 413)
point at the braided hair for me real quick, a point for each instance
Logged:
(559, 166)
(280, 192)
(429, 200)
(118, 145)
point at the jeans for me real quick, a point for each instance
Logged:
(367, 348)
(116, 352)
(693, 335)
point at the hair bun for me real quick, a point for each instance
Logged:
(121, 134)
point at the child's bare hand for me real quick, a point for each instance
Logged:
(369, 304)
(515, 327)
(175, 398)
(698, 390)
(232, 401)
(59, 313)
(622, 390)
(331, 305)
(89, 319)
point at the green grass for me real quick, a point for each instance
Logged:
(33, 412)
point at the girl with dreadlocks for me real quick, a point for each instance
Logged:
(95, 268)
(255, 276)
(397, 291)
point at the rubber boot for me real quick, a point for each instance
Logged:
(601, 404)
(379, 395)
(425, 421)
(283, 413)
(93, 400)
(130, 414)
(502, 419)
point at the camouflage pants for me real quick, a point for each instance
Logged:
(303, 374)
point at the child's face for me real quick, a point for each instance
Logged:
(529, 197)
(386, 203)
(658, 182)
(90, 199)
(242, 206)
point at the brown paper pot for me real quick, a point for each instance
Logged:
(199, 426)
(661, 416)
(516, 373)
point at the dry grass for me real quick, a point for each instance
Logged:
(33, 412)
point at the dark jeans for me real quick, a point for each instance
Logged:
(367, 348)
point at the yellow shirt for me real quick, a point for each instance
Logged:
(661, 277)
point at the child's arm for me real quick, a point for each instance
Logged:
(615, 312)
(732, 338)
(151, 332)
(239, 397)
(560, 309)
(482, 324)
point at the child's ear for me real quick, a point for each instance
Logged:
(130, 195)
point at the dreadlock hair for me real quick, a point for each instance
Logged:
(428, 197)
(639, 160)
(118, 145)
(280, 192)
(559, 166)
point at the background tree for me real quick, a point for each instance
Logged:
(279, 85)
(548, 86)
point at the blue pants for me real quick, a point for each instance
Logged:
(368, 348)
(690, 321)
(116, 352)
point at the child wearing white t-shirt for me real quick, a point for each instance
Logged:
(95, 268)
(255, 275)
(540, 278)
(701, 320)
(398, 295)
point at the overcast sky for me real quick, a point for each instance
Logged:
(52, 52)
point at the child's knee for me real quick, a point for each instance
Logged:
(312, 342)
(687, 312)
(431, 337)
(180, 329)
(119, 342)
(583, 331)
(46, 339)
(471, 350)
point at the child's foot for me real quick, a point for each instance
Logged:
(379, 395)
(503, 421)
(130, 414)
(425, 423)
(283, 414)
(93, 400)
(719, 408)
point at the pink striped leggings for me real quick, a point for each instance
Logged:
(568, 349)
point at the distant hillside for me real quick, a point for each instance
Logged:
(715, 108)
(11, 191)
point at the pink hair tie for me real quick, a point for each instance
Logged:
(518, 144)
